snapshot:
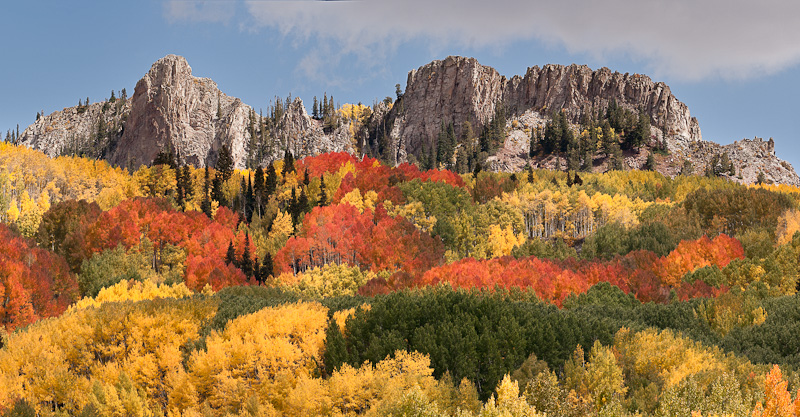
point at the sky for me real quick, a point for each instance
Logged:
(735, 63)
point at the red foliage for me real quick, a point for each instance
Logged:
(34, 283)
(641, 273)
(205, 240)
(371, 175)
(690, 255)
(324, 163)
(373, 240)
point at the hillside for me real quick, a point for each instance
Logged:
(336, 285)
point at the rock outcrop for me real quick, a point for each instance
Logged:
(172, 109)
(459, 90)
(90, 130)
(750, 157)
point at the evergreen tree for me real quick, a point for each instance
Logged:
(577, 180)
(315, 109)
(205, 205)
(288, 162)
(165, 157)
(302, 203)
(445, 146)
(250, 199)
(266, 267)
(476, 171)
(761, 179)
(323, 194)
(306, 180)
(257, 270)
(113, 98)
(230, 255)
(610, 140)
(535, 139)
(640, 134)
(247, 262)
(258, 190)
(573, 159)
(615, 158)
(242, 198)
(530, 174)
(180, 189)
(552, 134)
(292, 209)
(188, 186)
(271, 182)
(650, 164)
(462, 161)
(225, 163)
(217, 192)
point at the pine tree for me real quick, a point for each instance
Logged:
(476, 171)
(225, 163)
(306, 180)
(180, 189)
(577, 180)
(292, 209)
(288, 162)
(205, 205)
(650, 164)
(216, 190)
(315, 109)
(323, 194)
(257, 270)
(302, 203)
(530, 174)
(271, 182)
(266, 267)
(188, 186)
(247, 262)
(242, 197)
(258, 189)
(113, 98)
(230, 255)
(250, 200)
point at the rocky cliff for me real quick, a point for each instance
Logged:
(170, 108)
(90, 130)
(459, 90)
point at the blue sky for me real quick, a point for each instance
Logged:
(735, 63)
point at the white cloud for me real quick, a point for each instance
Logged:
(688, 39)
(219, 11)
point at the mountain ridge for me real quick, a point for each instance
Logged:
(173, 110)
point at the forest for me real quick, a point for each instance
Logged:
(337, 285)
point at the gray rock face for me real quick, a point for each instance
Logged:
(74, 130)
(170, 107)
(305, 136)
(749, 157)
(459, 89)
